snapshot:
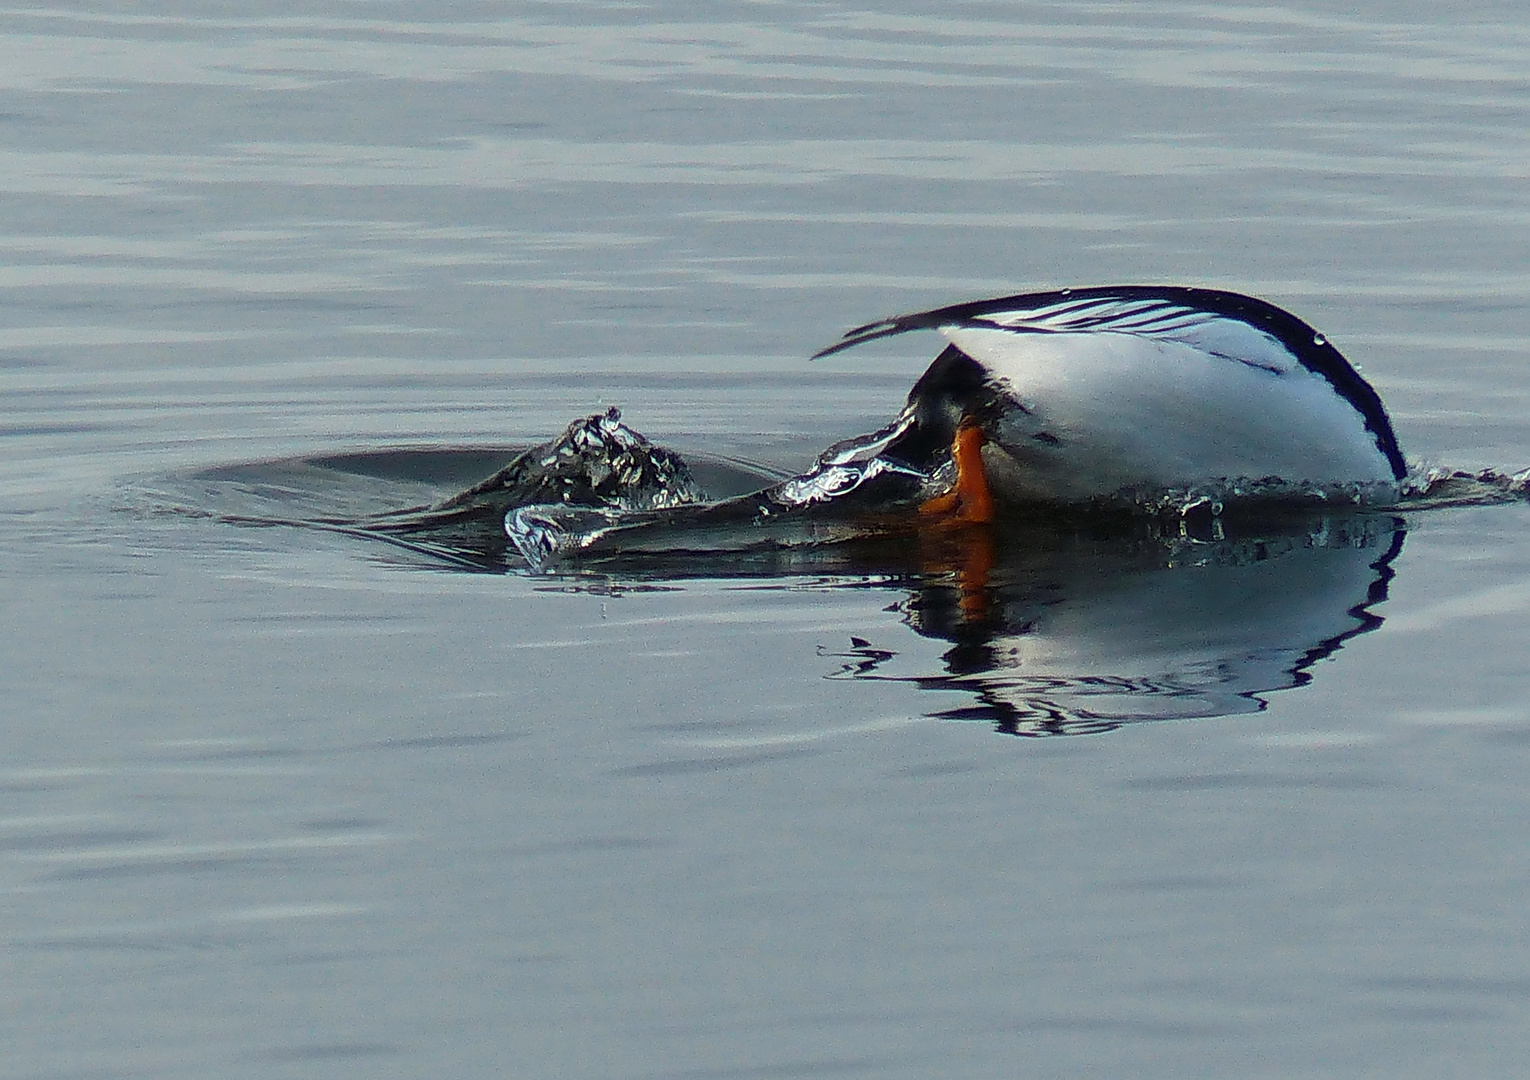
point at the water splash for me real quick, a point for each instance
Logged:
(1213, 498)
(597, 462)
(1424, 488)
(856, 475)
(850, 465)
(545, 533)
(1431, 487)
(602, 489)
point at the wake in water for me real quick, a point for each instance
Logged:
(602, 492)
(1431, 487)
(601, 498)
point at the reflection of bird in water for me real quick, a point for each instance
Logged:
(1078, 636)
(1065, 397)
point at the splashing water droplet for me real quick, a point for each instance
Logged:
(544, 534)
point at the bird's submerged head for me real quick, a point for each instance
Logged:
(954, 392)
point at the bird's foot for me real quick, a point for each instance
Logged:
(968, 552)
(970, 500)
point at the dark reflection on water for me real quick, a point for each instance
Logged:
(1057, 626)
(1068, 635)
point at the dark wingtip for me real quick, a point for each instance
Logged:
(838, 346)
(862, 334)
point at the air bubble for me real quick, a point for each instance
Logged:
(1319, 339)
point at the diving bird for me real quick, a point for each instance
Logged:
(1078, 394)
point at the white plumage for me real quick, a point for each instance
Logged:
(1094, 392)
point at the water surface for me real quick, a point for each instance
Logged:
(279, 801)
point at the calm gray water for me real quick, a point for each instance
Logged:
(283, 803)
